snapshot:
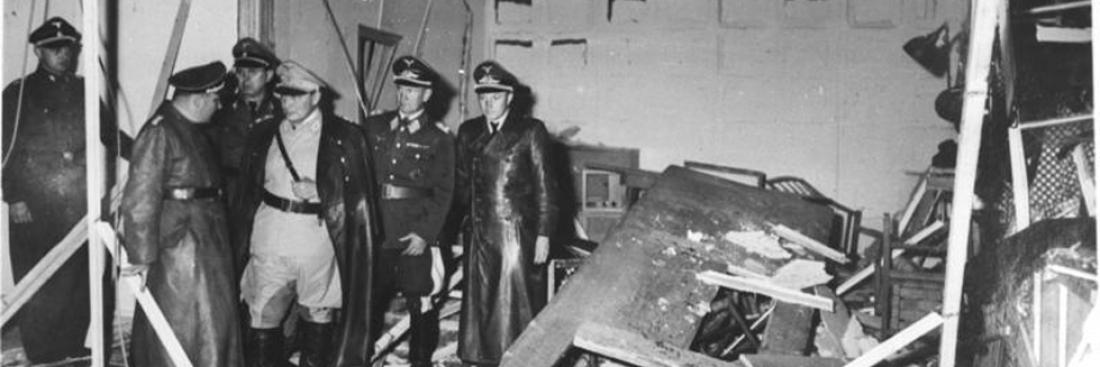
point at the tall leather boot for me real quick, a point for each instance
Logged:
(316, 340)
(424, 334)
(264, 348)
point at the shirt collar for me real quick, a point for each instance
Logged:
(312, 123)
(414, 121)
(499, 122)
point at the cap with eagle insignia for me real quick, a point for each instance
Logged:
(54, 32)
(409, 70)
(491, 77)
(208, 78)
(248, 52)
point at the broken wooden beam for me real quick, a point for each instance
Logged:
(789, 330)
(898, 341)
(866, 272)
(809, 243)
(637, 350)
(766, 288)
(773, 360)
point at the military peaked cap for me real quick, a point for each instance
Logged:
(409, 70)
(207, 78)
(54, 32)
(491, 77)
(248, 52)
(295, 79)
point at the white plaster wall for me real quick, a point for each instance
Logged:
(144, 31)
(815, 89)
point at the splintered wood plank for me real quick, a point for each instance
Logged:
(767, 360)
(789, 330)
(637, 350)
(642, 278)
(766, 288)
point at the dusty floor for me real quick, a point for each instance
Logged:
(444, 356)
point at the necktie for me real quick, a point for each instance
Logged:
(403, 124)
(494, 127)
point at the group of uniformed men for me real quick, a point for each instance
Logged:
(263, 198)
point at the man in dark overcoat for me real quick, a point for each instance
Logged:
(504, 184)
(44, 186)
(414, 169)
(174, 222)
(309, 229)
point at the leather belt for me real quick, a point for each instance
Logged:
(192, 193)
(394, 192)
(291, 205)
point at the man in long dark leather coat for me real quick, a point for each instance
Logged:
(414, 168)
(44, 186)
(503, 182)
(175, 228)
(308, 196)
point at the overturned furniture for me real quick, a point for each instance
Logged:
(652, 280)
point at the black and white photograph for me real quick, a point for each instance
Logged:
(549, 183)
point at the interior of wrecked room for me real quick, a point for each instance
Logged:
(675, 121)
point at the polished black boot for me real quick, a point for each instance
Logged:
(315, 340)
(424, 334)
(264, 348)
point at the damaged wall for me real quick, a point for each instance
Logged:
(304, 33)
(813, 88)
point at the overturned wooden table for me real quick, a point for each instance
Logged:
(641, 284)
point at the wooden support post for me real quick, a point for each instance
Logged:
(898, 341)
(1095, 14)
(1037, 315)
(637, 350)
(1020, 194)
(766, 288)
(95, 167)
(983, 25)
(161, 90)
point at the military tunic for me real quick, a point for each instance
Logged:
(45, 170)
(184, 243)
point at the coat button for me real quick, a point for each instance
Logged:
(343, 160)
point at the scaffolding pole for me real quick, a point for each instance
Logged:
(983, 27)
(95, 160)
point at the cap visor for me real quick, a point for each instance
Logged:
(411, 82)
(251, 63)
(492, 88)
(57, 42)
(290, 91)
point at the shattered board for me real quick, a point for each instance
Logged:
(642, 278)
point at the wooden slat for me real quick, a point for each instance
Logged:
(789, 330)
(766, 360)
(866, 272)
(169, 63)
(148, 304)
(766, 288)
(637, 350)
(809, 243)
(898, 341)
(44, 269)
